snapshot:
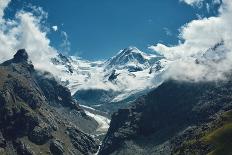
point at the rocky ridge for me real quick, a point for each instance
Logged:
(170, 120)
(38, 115)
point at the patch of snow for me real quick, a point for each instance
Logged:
(86, 107)
(103, 122)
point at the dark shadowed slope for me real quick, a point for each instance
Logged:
(167, 118)
(38, 115)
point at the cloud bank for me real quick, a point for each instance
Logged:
(27, 31)
(196, 38)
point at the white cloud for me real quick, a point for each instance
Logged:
(167, 31)
(55, 28)
(195, 38)
(193, 2)
(3, 5)
(65, 45)
(27, 31)
(200, 3)
(33, 39)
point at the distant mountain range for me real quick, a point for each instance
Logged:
(116, 80)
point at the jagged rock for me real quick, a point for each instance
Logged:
(113, 76)
(56, 147)
(40, 134)
(21, 56)
(20, 63)
(2, 141)
(17, 119)
(22, 148)
(82, 142)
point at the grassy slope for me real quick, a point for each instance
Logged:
(221, 138)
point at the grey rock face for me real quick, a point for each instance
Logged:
(82, 142)
(22, 148)
(21, 56)
(113, 76)
(2, 141)
(40, 135)
(56, 147)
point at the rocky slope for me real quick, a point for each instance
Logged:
(176, 118)
(38, 115)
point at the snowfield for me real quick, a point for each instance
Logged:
(103, 122)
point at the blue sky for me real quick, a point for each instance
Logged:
(99, 29)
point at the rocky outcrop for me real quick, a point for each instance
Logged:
(40, 134)
(56, 94)
(23, 148)
(21, 56)
(56, 147)
(2, 141)
(153, 120)
(84, 143)
(31, 113)
(113, 76)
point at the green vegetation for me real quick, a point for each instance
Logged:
(221, 138)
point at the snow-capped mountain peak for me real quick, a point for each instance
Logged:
(128, 72)
(130, 58)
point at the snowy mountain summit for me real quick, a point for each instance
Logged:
(131, 59)
(130, 71)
